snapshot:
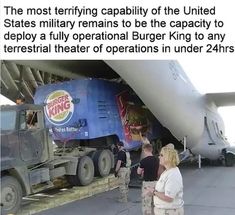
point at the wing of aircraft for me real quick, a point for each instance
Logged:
(222, 99)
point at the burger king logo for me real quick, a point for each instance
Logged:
(59, 108)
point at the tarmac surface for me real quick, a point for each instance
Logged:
(207, 191)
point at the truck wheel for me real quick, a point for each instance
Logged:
(229, 159)
(85, 171)
(11, 195)
(103, 163)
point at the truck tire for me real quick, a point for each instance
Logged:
(11, 195)
(85, 172)
(103, 163)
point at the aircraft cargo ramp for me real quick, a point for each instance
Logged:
(59, 196)
(209, 190)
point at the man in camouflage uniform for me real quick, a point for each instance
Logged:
(148, 169)
(123, 172)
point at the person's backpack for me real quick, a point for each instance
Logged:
(128, 159)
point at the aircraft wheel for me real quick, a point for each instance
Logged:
(229, 159)
(102, 162)
(11, 195)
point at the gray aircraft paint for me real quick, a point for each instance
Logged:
(169, 94)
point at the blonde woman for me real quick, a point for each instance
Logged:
(168, 193)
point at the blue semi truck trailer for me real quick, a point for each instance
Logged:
(98, 113)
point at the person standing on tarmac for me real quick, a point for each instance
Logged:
(122, 170)
(161, 168)
(148, 168)
(168, 192)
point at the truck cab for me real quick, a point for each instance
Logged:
(24, 138)
(25, 144)
(29, 162)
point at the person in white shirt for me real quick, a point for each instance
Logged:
(168, 193)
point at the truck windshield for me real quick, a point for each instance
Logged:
(8, 119)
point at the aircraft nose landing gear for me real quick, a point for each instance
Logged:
(229, 156)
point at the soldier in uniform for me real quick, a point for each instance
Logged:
(148, 169)
(123, 172)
